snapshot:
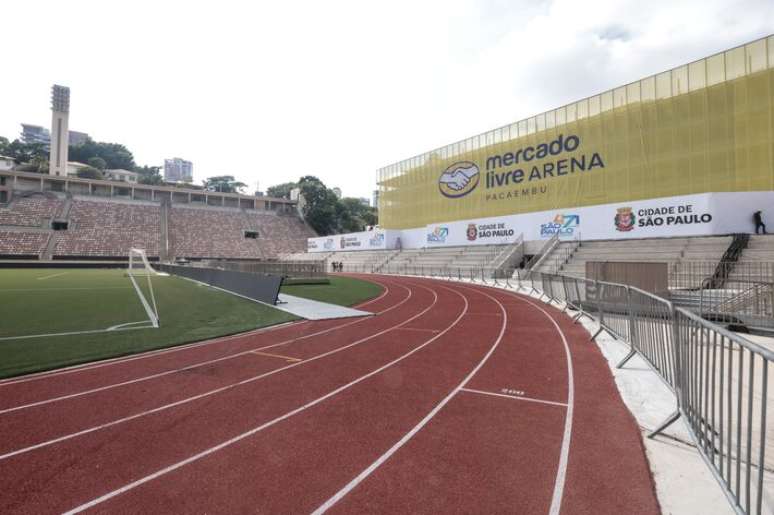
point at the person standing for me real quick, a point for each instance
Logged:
(758, 219)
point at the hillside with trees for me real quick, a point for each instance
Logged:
(324, 211)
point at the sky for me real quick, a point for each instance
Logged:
(271, 91)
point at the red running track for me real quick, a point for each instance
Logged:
(453, 398)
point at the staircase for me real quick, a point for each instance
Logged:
(165, 252)
(729, 259)
(47, 254)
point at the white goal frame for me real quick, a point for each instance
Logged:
(139, 267)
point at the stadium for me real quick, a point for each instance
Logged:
(550, 317)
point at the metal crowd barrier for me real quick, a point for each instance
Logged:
(719, 379)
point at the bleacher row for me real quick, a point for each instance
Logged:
(462, 258)
(569, 258)
(694, 258)
(101, 228)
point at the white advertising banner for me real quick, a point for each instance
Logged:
(690, 215)
(367, 240)
(485, 231)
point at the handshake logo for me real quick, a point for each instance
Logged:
(459, 179)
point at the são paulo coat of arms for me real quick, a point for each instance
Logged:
(624, 219)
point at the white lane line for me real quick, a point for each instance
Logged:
(420, 329)
(400, 443)
(212, 392)
(82, 367)
(561, 473)
(270, 423)
(514, 397)
(190, 367)
(50, 276)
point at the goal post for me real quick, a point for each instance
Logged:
(140, 272)
(138, 263)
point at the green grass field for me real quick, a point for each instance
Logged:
(344, 291)
(104, 310)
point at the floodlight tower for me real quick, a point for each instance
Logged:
(60, 106)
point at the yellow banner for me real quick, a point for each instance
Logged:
(711, 138)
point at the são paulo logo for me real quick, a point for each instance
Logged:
(472, 232)
(438, 234)
(459, 179)
(624, 219)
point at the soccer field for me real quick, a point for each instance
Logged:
(51, 318)
(56, 317)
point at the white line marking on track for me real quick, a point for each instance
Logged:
(422, 423)
(419, 329)
(278, 356)
(195, 365)
(270, 423)
(556, 499)
(513, 397)
(83, 367)
(210, 392)
(50, 276)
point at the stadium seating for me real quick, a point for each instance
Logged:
(757, 260)
(361, 261)
(16, 243)
(101, 227)
(570, 257)
(31, 211)
(464, 258)
(306, 256)
(213, 232)
(109, 229)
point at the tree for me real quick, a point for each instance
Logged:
(89, 172)
(224, 184)
(149, 174)
(357, 216)
(23, 152)
(97, 162)
(281, 190)
(114, 154)
(37, 164)
(321, 206)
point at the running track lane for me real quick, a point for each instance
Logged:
(506, 427)
(40, 424)
(38, 479)
(303, 460)
(48, 385)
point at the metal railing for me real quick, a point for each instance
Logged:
(723, 395)
(749, 302)
(548, 246)
(720, 380)
(691, 274)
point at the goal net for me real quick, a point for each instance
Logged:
(141, 274)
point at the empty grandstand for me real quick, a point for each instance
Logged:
(55, 218)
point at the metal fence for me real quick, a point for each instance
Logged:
(691, 274)
(720, 380)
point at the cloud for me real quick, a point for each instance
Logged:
(272, 91)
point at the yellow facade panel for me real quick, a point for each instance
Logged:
(704, 127)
